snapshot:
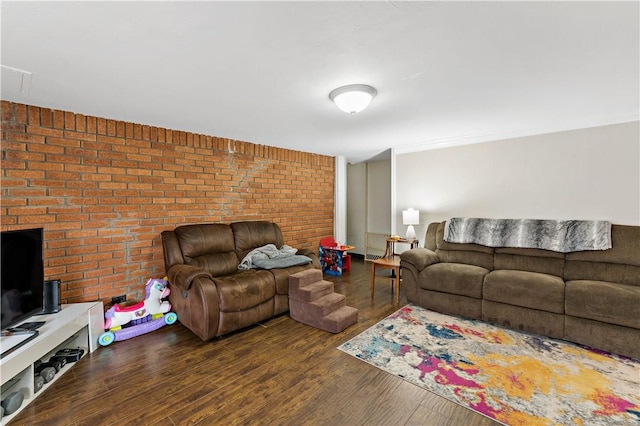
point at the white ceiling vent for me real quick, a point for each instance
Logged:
(15, 82)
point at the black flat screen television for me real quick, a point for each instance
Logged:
(22, 275)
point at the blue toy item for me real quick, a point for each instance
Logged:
(123, 323)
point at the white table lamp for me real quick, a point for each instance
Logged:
(411, 217)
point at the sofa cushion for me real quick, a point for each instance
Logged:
(454, 278)
(604, 301)
(209, 246)
(526, 289)
(245, 289)
(483, 260)
(595, 271)
(532, 260)
(253, 234)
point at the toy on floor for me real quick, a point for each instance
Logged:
(126, 322)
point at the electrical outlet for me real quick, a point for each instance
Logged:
(119, 299)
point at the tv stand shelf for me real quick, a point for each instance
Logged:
(77, 325)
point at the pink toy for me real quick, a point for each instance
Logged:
(130, 321)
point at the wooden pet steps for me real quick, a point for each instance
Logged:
(313, 302)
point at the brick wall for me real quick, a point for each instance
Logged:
(103, 190)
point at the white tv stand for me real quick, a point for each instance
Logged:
(76, 325)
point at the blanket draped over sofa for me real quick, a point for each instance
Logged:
(269, 257)
(561, 236)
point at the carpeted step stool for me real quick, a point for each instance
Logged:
(313, 302)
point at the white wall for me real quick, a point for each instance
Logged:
(589, 173)
(340, 202)
(356, 205)
(379, 196)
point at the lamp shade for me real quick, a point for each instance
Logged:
(353, 98)
(411, 217)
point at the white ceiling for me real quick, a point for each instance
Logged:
(445, 72)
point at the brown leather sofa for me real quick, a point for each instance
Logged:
(588, 297)
(208, 292)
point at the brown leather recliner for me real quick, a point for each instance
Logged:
(211, 296)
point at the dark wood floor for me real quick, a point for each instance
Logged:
(280, 372)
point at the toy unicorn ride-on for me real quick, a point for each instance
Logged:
(126, 322)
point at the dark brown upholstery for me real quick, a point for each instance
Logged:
(209, 294)
(455, 278)
(590, 297)
(526, 289)
(605, 302)
(532, 260)
(249, 235)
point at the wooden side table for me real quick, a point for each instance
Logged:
(391, 245)
(390, 262)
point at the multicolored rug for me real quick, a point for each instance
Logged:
(512, 377)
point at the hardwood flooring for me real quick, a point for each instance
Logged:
(278, 372)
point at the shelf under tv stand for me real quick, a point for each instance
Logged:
(76, 325)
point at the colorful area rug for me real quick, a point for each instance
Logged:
(512, 377)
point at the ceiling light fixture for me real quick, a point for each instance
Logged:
(353, 98)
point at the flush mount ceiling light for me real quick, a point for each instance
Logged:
(353, 98)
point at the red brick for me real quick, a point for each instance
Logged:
(58, 119)
(120, 129)
(22, 137)
(44, 131)
(81, 123)
(12, 202)
(26, 174)
(20, 112)
(101, 126)
(91, 125)
(137, 131)
(79, 135)
(32, 220)
(13, 127)
(49, 149)
(14, 164)
(69, 121)
(129, 130)
(7, 111)
(24, 192)
(34, 115)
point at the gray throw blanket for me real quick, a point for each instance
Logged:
(556, 235)
(269, 257)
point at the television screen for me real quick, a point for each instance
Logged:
(22, 275)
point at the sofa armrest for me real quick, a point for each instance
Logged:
(315, 260)
(181, 276)
(419, 258)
